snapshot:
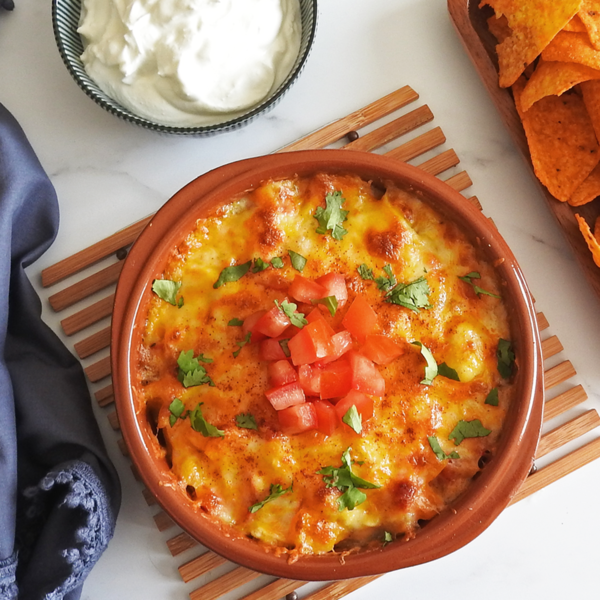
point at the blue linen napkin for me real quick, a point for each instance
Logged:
(59, 493)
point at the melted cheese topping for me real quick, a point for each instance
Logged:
(226, 475)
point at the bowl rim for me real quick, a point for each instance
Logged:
(487, 496)
(93, 91)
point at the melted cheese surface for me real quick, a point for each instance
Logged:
(226, 475)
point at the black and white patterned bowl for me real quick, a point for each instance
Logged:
(65, 21)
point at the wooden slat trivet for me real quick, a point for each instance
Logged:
(555, 377)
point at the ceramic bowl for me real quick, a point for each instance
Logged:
(489, 493)
(65, 21)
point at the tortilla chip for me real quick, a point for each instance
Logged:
(562, 143)
(589, 13)
(534, 24)
(499, 28)
(575, 24)
(589, 190)
(592, 242)
(553, 79)
(572, 47)
(590, 91)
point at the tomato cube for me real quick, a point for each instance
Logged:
(270, 349)
(360, 320)
(285, 396)
(249, 323)
(299, 418)
(312, 342)
(281, 372)
(327, 418)
(305, 290)
(365, 377)
(335, 285)
(336, 379)
(381, 349)
(309, 377)
(364, 405)
(341, 343)
(273, 323)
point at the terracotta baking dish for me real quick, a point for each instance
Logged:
(495, 485)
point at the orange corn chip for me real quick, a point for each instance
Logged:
(499, 28)
(592, 242)
(562, 143)
(589, 190)
(590, 91)
(572, 47)
(575, 24)
(533, 23)
(553, 79)
(589, 13)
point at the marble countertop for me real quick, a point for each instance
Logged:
(109, 174)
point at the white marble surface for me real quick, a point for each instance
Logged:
(108, 174)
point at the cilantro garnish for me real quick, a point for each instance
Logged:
(347, 482)
(492, 397)
(468, 429)
(437, 449)
(431, 369)
(387, 538)
(275, 492)
(191, 372)
(414, 295)
(277, 262)
(246, 421)
(332, 217)
(353, 419)
(201, 425)
(289, 309)
(259, 265)
(448, 372)
(386, 283)
(233, 273)
(176, 408)
(235, 322)
(298, 261)
(469, 279)
(330, 302)
(242, 344)
(506, 358)
(167, 290)
(364, 271)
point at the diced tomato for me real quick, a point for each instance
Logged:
(270, 349)
(341, 342)
(336, 379)
(299, 418)
(249, 323)
(285, 396)
(380, 349)
(305, 290)
(312, 342)
(327, 418)
(318, 314)
(335, 285)
(273, 323)
(364, 405)
(364, 375)
(360, 320)
(281, 372)
(309, 378)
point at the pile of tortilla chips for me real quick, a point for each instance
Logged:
(549, 54)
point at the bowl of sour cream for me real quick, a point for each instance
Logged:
(194, 67)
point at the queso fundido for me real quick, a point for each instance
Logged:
(325, 364)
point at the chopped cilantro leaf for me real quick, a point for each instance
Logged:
(506, 358)
(167, 290)
(332, 217)
(448, 372)
(191, 372)
(364, 271)
(201, 425)
(431, 369)
(298, 261)
(492, 397)
(386, 283)
(437, 449)
(275, 492)
(468, 429)
(176, 410)
(387, 538)
(277, 262)
(289, 309)
(330, 302)
(235, 322)
(414, 295)
(468, 278)
(242, 344)
(353, 419)
(259, 265)
(233, 273)
(246, 421)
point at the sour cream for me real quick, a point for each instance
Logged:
(189, 62)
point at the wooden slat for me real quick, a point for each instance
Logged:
(122, 447)
(105, 395)
(567, 432)
(461, 181)
(558, 469)
(88, 316)
(474, 200)
(542, 321)
(99, 370)
(149, 497)
(163, 521)
(392, 130)
(86, 287)
(180, 543)
(276, 590)
(94, 343)
(365, 116)
(563, 402)
(551, 346)
(339, 589)
(440, 163)
(113, 419)
(418, 146)
(200, 565)
(558, 374)
(91, 255)
(224, 584)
